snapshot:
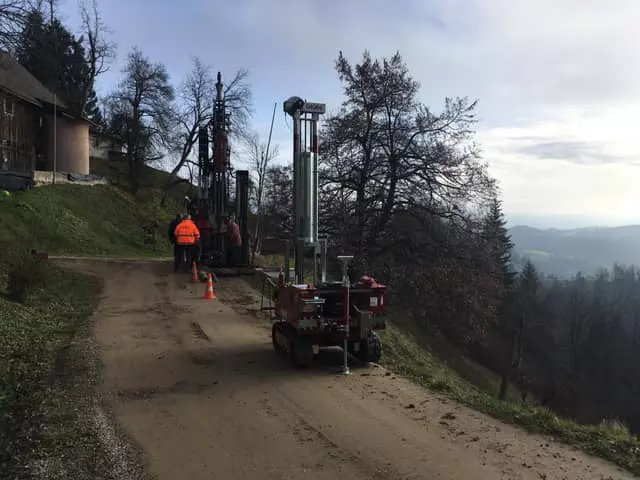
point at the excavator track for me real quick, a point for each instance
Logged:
(287, 341)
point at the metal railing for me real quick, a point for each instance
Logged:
(267, 290)
(15, 159)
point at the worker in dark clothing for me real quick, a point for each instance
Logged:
(234, 242)
(172, 238)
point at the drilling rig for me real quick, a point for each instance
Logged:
(215, 175)
(323, 313)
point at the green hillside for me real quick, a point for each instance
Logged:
(77, 219)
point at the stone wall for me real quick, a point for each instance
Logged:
(46, 178)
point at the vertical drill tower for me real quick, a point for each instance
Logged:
(305, 117)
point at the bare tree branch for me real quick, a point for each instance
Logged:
(258, 161)
(141, 113)
(239, 101)
(12, 17)
(98, 50)
(195, 110)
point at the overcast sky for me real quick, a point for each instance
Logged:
(558, 81)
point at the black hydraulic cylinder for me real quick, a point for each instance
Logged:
(242, 212)
(203, 150)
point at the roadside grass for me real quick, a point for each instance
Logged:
(83, 220)
(36, 418)
(403, 355)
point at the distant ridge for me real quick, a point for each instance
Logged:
(564, 252)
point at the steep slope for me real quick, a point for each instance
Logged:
(98, 220)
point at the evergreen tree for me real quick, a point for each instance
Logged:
(499, 244)
(92, 111)
(524, 304)
(56, 58)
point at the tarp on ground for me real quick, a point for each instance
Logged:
(14, 181)
(78, 177)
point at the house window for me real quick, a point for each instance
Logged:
(8, 108)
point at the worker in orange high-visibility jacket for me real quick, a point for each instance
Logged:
(187, 238)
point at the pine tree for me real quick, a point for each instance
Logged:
(524, 304)
(92, 111)
(499, 244)
(56, 58)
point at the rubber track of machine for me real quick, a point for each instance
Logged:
(301, 352)
(278, 327)
(370, 349)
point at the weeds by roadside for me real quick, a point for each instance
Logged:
(42, 307)
(402, 355)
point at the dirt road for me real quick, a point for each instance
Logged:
(198, 387)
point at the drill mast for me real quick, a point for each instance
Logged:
(305, 117)
(214, 181)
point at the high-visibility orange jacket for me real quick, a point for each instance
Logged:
(187, 233)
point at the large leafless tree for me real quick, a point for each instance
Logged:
(194, 109)
(142, 114)
(387, 152)
(195, 103)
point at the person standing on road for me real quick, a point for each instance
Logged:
(172, 233)
(235, 242)
(187, 237)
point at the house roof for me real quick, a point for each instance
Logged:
(17, 80)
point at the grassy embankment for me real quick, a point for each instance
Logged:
(81, 220)
(441, 367)
(44, 313)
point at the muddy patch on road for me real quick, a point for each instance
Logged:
(148, 393)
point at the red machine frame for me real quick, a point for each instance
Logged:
(322, 313)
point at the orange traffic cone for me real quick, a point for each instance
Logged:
(209, 293)
(194, 272)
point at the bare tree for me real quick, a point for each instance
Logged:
(239, 101)
(259, 156)
(141, 113)
(98, 50)
(12, 17)
(195, 110)
(387, 152)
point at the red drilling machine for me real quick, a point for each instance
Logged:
(213, 203)
(324, 313)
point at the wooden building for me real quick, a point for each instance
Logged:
(27, 129)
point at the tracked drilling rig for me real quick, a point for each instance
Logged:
(215, 176)
(323, 313)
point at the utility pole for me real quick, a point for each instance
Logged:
(55, 98)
